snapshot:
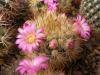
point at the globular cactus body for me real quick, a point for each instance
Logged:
(59, 27)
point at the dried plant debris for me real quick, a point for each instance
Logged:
(14, 12)
(8, 50)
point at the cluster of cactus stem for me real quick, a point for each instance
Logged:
(57, 26)
(91, 10)
(60, 28)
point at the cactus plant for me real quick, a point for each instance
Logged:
(91, 10)
(62, 30)
(67, 52)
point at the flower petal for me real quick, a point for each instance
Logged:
(40, 36)
(19, 36)
(27, 29)
(18, 41)
(39, 41)
(24, 48)
(40, 31)
(33, 27)
(24, 62)
(29, 48)
(26, 24)
(34, 46)
(21, 45)
(32, 70)
(40, 59)
(20, 30)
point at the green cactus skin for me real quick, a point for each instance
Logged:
(91, 10)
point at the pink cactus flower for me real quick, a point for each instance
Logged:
(82, 27)
(29, 38)
(61, 74)
(31, 67)
(48, 1)
(53, 44)
(52, 4)
(51, 7)
(26, 24)
(70, 43)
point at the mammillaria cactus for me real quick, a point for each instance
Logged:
(47, 28)
(91, 10)
(58, 30)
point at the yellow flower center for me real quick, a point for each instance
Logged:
(30, 38)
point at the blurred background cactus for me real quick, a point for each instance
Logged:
(91, 10)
